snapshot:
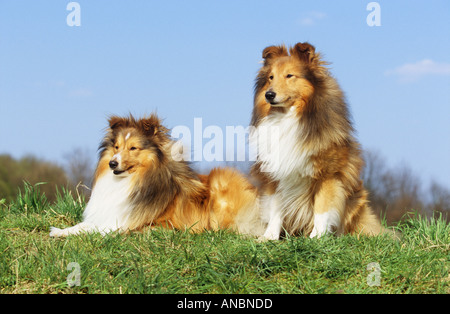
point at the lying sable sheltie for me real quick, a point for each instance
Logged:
(139, 183)
(308, 161)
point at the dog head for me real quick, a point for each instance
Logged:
(132, 143)
(288, 78)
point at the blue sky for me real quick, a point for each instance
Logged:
(188, 59)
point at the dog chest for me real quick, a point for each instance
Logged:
(280, 149)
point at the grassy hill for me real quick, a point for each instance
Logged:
(166, 261)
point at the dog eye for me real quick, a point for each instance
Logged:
(133, 148)
(116, 147)
(289, 75)
(271, 77)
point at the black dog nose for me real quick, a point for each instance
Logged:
(270, 96)
(113, 164)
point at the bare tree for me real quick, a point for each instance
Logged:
(440, 200)
(79, 166)
(393, 192)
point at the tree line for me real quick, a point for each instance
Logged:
(75, 172)
(393, 191)
(398, 191)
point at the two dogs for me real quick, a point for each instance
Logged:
(307, 169)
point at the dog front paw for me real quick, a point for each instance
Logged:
(56, 232)
(269, 236)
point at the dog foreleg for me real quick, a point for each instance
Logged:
(329, 208)
(275, 219)
(77, 229)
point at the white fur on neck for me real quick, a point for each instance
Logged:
(279, 144)
(109, 206)
(107, 210)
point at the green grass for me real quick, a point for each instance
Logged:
(166, 261)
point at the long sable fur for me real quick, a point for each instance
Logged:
(165, 181)
(328, 129)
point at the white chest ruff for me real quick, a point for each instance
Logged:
(278, 142)
(109, 207)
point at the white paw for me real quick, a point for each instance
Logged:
(56, 232)
(269, 235)
(318, 232)
(325, 223)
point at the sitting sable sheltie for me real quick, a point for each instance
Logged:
(308, 161)
(139, 183)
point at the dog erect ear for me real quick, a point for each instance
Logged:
(273, 52)
(115, 122)
(304, 51)
(152, 126)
